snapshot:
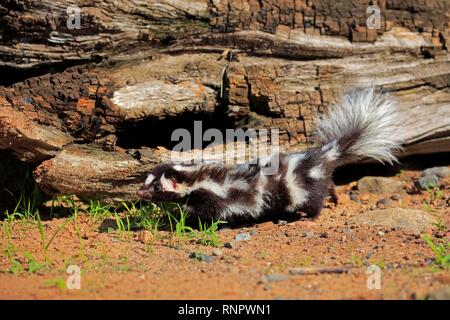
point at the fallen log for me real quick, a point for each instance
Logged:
(38, 33)
(95, 174)
(29, 141)
(256, 93)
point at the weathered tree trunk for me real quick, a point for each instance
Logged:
(144, 68)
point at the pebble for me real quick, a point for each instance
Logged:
(282, 222)
(353, 197)
(145, 236)
(253, 232)
(370, 184)
(217, 252)
(381, 233)
(383, 203)
(231, 245)
(228, 245)
(244, 236)
(410, 220)
(308, 234)
(275, 277)
(347, 231)
(201, 257)
(88, 235)
(440, 172)
(427, 182)
(290, 233)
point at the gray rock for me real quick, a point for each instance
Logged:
(427, 182)
(380, 185)
(412, 221)
(231, 245)
(228, 245)
(207, 258)
(201, 257)
(282, 222)
(440, 172)
(276, 277)
(217, 252)
(308, 234)
(347, 231)
(290, 233)
(244, 236)
(353, 197)
(383, 203)
(443, 294)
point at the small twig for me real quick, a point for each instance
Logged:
(317, 270)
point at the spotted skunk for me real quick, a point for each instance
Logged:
(364, 124)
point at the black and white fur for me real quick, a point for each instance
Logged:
(365, 124)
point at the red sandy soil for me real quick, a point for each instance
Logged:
(116, 266)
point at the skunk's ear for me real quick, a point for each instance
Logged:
(169, 184)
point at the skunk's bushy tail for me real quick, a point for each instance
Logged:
(365, 124)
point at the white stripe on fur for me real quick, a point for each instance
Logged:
(240, 209)
(217, 188)
(331, 151)
(189, 168)
(317, 172)
(297, 194)
(149, 179)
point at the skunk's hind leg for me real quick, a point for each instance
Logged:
(313, 208)
(333, 194)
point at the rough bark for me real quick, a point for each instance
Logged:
(36, 32)
(161, 67)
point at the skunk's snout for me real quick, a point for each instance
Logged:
(140, 193)
(144, 193)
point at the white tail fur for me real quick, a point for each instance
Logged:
(364, 124)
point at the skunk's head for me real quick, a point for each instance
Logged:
(164, 183)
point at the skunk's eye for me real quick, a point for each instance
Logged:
(157, 187)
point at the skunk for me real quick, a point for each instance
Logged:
(365, 124)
